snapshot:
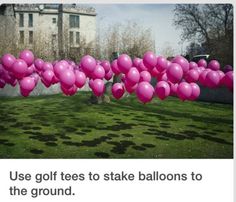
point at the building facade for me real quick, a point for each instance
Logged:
(50, 30)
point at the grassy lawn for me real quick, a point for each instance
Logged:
(69, 127)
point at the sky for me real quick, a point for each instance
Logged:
(159, 17)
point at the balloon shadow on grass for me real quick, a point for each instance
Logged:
(121, 147)
(102, 155)
(36, 151)
(6, 142)
(162, 113)
(187, 134)
(88, 143)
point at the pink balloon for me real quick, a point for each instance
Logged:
(2, 83)
(73, 90)
(202, 63)
(199, 69)
(2, 70)
(192, 76)
(64, 62)
(67, 78)
(174, 73)
(214, 65)
(133, 76)
(173, 88)
(149, 59)
(162, 76)
(168, 63)
(184, 91)
(27, 56)
(162, 89)
(228, 68)
(65, 90)
(27, 84)
(13, 82)
(88, 64)
(71, 67)
(72, 63)
(229, 80)
(59, 68)
(145, 76)
(106, 65)
(8, 78)
(192, 65)
(46, 84)
(7, 61)
(212, 79)
(221, 75)
(48, 76)
(47, 66)
(195, 91)
(35, 76)
(144, 92)
(118, 90)
(142, 67)
(24, 93)
(69, 91)
(136, 62)
(161, 64)
(124, 63)
(182, 62)
(91, 81)
(55, 79)
(109, 75)
(19, 68)
(202, 76)
(30, 70)
(98, 87)
(98, 73)
(154, 72)
(114, 67)
(80, 79)
(130, 88)
(38, 63)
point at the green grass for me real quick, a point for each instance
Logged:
(69, 127)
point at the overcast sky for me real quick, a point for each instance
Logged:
(157, 16)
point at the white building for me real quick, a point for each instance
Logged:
(46, 29)
(50, 29)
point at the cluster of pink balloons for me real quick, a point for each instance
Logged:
(176, 77)
(26, 70)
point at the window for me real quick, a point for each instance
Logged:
(31, 37)
(22, 37)
(30, 20)
(74, 21)
(71, 37)
(21, 24)
(54, 20)
(77, 39)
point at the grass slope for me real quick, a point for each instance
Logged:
(68, 127)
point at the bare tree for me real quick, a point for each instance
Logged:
(130, 38)
(209, 24)
(167, 50)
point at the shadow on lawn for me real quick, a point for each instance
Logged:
(161, 114)
(187, 134)
(53, 116)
